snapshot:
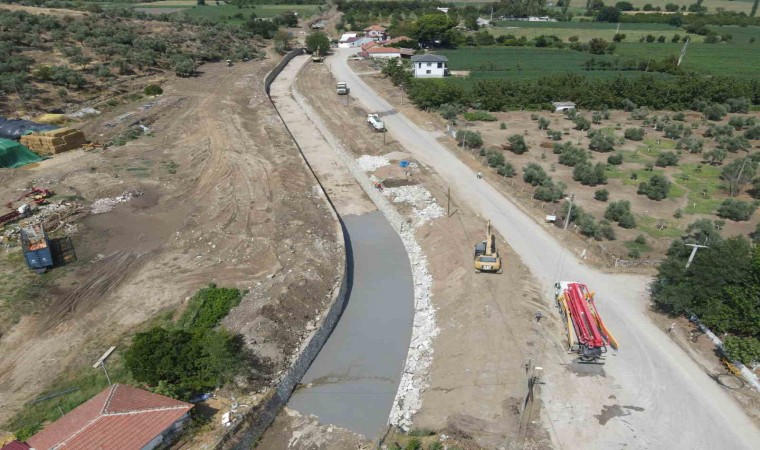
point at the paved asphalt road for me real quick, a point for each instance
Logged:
(650, 394)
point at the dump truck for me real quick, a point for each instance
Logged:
(36, 247)
(317, 56)
(342, 88)
(374, 122)
(586, 333)
(487, 258)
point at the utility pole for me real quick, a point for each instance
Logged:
(103, 365)
(448, 202)
(569, 212)
(694, 248)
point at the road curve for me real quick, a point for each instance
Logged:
(650, 394)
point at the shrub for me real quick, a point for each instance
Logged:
(678, 213)
(449, 111)
(543, 123)
(733, 143)
(656, 189)
(582, 123)
(554, 135)
(549, 191)
(715, 111)
(495, 159)
(690, 144)
(628, 105)
(153, 90)
(715, 130)
(679, 116)
(506, 170)
(716, 156)
(533, 116)
(743, 349)
(471, 139)
(634, 134)
(640, 113)
(616, 210)
(738, 122)
(738, 105)
(674, 130)
(557, 149)
(753, 132)
(573, 156)
(596, 118)
(606, 231)
(634, 253)
(640, 239)
(502, 126)
(736, 210)
(627, 221)
(183, 66)
(666, 159)
(208, 307)
(482, 116)
(615, 160)
(517, 144)
(602, 195)
(534, 174)
(601, 142)
(589, 175)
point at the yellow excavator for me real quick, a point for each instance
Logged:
(487, 258)
(317, 56)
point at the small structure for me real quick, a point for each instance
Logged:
(563, 106)
(121, 417)
(430, 66)
(355, 41)
(443, 10)
(376, 32)
(319, 25)
(383, 53)
(483, 23)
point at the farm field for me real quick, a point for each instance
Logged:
(728, 58)
(712, 6)
(222, 12)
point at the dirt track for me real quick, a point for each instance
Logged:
(226, 198)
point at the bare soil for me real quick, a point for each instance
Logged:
(486, 321)
(226, 198)
(657, 217)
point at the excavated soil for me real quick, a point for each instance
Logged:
(225, 198)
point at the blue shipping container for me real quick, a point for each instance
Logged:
(36, 247)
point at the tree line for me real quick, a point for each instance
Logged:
(675, 93)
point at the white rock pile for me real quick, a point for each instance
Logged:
(103, 205)
(369, 163)
(422, 202)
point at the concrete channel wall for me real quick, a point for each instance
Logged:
(245, 433)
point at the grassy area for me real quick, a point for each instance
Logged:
(704, 184)
(712, 6)
(584, 30)
(658, 227)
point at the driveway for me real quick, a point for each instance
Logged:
(650, 394)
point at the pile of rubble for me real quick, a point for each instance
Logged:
(103, 205)
(423, 204)
(369, 163)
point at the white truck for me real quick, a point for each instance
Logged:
(342, 88)
(374, 122)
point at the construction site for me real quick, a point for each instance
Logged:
(391, 294)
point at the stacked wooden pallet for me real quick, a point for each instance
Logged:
(54, 141)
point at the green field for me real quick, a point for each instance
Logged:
(712, 6)
(729, 58)
(583, 30)
(225, 12)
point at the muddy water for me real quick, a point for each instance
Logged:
(353, 380)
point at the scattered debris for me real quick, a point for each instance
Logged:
(104, 205)
(84, 112)
(370, 163)
(423, 203)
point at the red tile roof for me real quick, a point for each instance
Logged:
(382, 50)
(119, 418)
(367, 45)
(374, 28)
(15, 445)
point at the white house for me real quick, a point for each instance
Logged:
(376, 32)
(355, 41)
(429, 66)
(563, 106)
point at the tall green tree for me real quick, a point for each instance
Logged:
(317, 41)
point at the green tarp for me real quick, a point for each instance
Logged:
(13, 154)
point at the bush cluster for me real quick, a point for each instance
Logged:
(657, 188)
(620, 212)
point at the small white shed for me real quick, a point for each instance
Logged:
(563, 106)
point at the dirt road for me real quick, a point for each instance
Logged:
(650, 394)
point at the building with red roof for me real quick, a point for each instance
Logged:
(15, 445)
(376, 32)
(119, 418)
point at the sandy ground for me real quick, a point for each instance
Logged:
(226, 198)
(39, 10)
(638, 397)
(477, 380)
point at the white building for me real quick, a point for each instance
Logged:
(355, 41)
(383, 52)
(429, 66)
(376, 32)
(563, 106)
